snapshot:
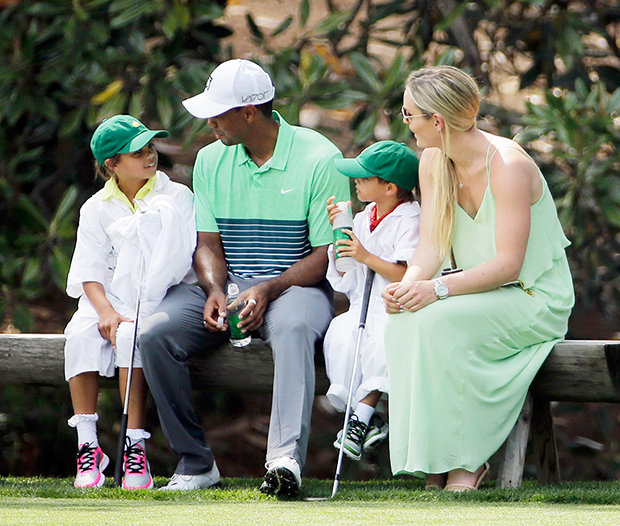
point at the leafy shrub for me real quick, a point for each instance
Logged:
(64, 67)
(576, 139)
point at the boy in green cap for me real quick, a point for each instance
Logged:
(384, 237)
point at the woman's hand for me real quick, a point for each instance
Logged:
(391, 305)
(411, 296)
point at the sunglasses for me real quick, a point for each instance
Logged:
(407, 116)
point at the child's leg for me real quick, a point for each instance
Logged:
(91, 460)
(366, 407)
(137, 397)
(136, 467)
(84, 390)
(364, 430)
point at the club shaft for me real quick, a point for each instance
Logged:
(118, 468)
(370, 274)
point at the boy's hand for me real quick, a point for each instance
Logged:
(352, 247)
(333, 210)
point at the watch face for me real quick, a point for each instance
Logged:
(441, 289)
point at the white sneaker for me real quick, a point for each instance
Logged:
(180, 482)
(91, 462)
(283, 477)
(136, 467)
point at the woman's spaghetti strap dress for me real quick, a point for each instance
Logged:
(459, 369)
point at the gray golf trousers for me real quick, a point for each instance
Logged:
(293, 324)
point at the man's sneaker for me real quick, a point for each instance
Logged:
(283, 478)
(354, 441)
(136, 467)
(180, 482)
(377, 432)
(91, 461)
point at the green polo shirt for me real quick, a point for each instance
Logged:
(269, 217)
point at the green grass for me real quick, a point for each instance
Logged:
(36, 501)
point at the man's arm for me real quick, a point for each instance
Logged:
(212, 272)
(305, 273)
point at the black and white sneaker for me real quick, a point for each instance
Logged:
(377, 432)
(354, 441)
(283, 478)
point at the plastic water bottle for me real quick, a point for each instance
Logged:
(234, 305)
(341, 221)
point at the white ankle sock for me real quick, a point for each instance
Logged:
(364, 412)
(86, 426)
(135, 435)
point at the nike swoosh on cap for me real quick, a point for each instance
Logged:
(283, 191)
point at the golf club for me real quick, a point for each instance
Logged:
(370, 274)
(118, 468)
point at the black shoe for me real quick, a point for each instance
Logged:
(281, 479)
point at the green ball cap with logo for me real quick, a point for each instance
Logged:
(121, 134)
(393, 161)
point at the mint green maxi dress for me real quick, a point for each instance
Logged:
(459, 369)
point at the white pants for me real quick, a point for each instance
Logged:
(87, 351)
(339, 349)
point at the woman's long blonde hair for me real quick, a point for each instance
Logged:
(455, 96)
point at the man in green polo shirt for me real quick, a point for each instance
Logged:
(260, 190)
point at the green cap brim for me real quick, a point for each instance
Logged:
(141, 140)
(352, 168)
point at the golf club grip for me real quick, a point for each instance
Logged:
(118, 468)
(370, 275)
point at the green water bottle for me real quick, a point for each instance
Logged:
(343, 221)
(234, 305)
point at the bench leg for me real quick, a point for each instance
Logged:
(543, 442)
(511, 470)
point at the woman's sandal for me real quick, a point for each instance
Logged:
(433, 486)
(466, 487)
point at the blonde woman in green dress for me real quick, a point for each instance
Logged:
(462, 349)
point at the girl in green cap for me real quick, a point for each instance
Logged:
(140, 217)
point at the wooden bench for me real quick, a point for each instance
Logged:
(38, 359)
(576, 371)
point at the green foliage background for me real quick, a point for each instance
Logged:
(67, 64)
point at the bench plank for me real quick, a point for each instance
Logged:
(580, 371)
(575, 371)
(38, 359)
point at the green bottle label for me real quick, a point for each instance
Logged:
(339, 234)
(235, 332)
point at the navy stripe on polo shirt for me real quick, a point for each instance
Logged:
(263, 247)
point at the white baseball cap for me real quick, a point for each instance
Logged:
(233, 84)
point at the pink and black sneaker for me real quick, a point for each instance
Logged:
(91, 461)
(136, 467)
